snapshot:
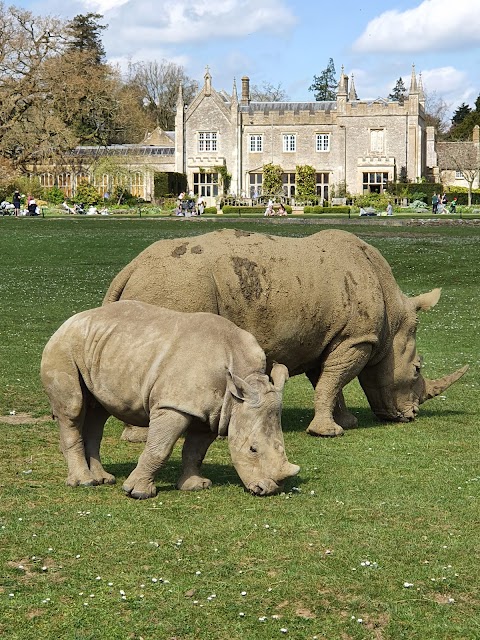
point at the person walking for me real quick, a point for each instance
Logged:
(17, 202)
(434, 203)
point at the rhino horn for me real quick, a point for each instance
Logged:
(435, 387)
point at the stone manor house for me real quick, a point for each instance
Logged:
(354, 145)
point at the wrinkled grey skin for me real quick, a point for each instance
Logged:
(196, 375)
(326, 305)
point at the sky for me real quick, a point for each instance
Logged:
(288, 42)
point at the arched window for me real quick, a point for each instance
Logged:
(137, 184)
(65, 183)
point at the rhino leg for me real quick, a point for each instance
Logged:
(196, 444)
(69, 408)
(94, 423)
(165, 428)
(339, 367)
(134, 434)
(342, 415)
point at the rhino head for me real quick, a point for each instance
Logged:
(251, 412)
(394, 386)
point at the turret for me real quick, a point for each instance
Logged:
(342, 92)
(352, 93)
(179, 132)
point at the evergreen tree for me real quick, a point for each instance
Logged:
(84, 35)
(477, 104)
(464, 130)
(324, 86)
(461, 113)
(399, 92)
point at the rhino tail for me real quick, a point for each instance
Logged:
(118, 284)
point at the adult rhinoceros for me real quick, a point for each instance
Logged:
(327, 305)
(178, 373)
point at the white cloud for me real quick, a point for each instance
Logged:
(434, 25)
(102, 6)
(135, 23)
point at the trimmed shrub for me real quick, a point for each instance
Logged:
(210, 210)
(242, 211)
(319, 209)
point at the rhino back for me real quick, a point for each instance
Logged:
(297, 296)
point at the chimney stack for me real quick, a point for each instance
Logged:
(245, 90)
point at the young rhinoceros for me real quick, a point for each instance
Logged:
(194, 374)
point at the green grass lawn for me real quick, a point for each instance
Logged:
(376, 538)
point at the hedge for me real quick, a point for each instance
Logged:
(239, 211)
(320, 209)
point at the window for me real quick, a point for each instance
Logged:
(322, 142)
(458, 175)
(256, 143)
(207, 141)
(205, 184)
(47, 180)
(137, 184)
(377, 140)
(102, 183)
(65, 183)
(288, 180)
(375, 182)
(256, 180)
(289, 142)
(322, 180)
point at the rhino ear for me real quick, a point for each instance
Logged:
(236, 388)
(241, 390)
(279, 376)
(426, 301)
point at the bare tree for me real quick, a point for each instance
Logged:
(436, 112)
(267, 92)
(464, 157)
(158, 83)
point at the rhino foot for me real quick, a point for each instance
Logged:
(85, 479)
(347, 421)
(325, 428)
(194, 483)
(105, 478)
(139, 488)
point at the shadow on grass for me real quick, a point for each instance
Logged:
(297, 420)
(167, 477)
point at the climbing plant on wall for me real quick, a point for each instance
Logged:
(272, 178)
(305, 181)
(225, 177)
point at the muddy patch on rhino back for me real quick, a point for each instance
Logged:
(248, 274)
(180, 250)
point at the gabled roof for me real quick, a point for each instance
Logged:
(158, 138)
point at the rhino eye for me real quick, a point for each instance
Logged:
(253, 449)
